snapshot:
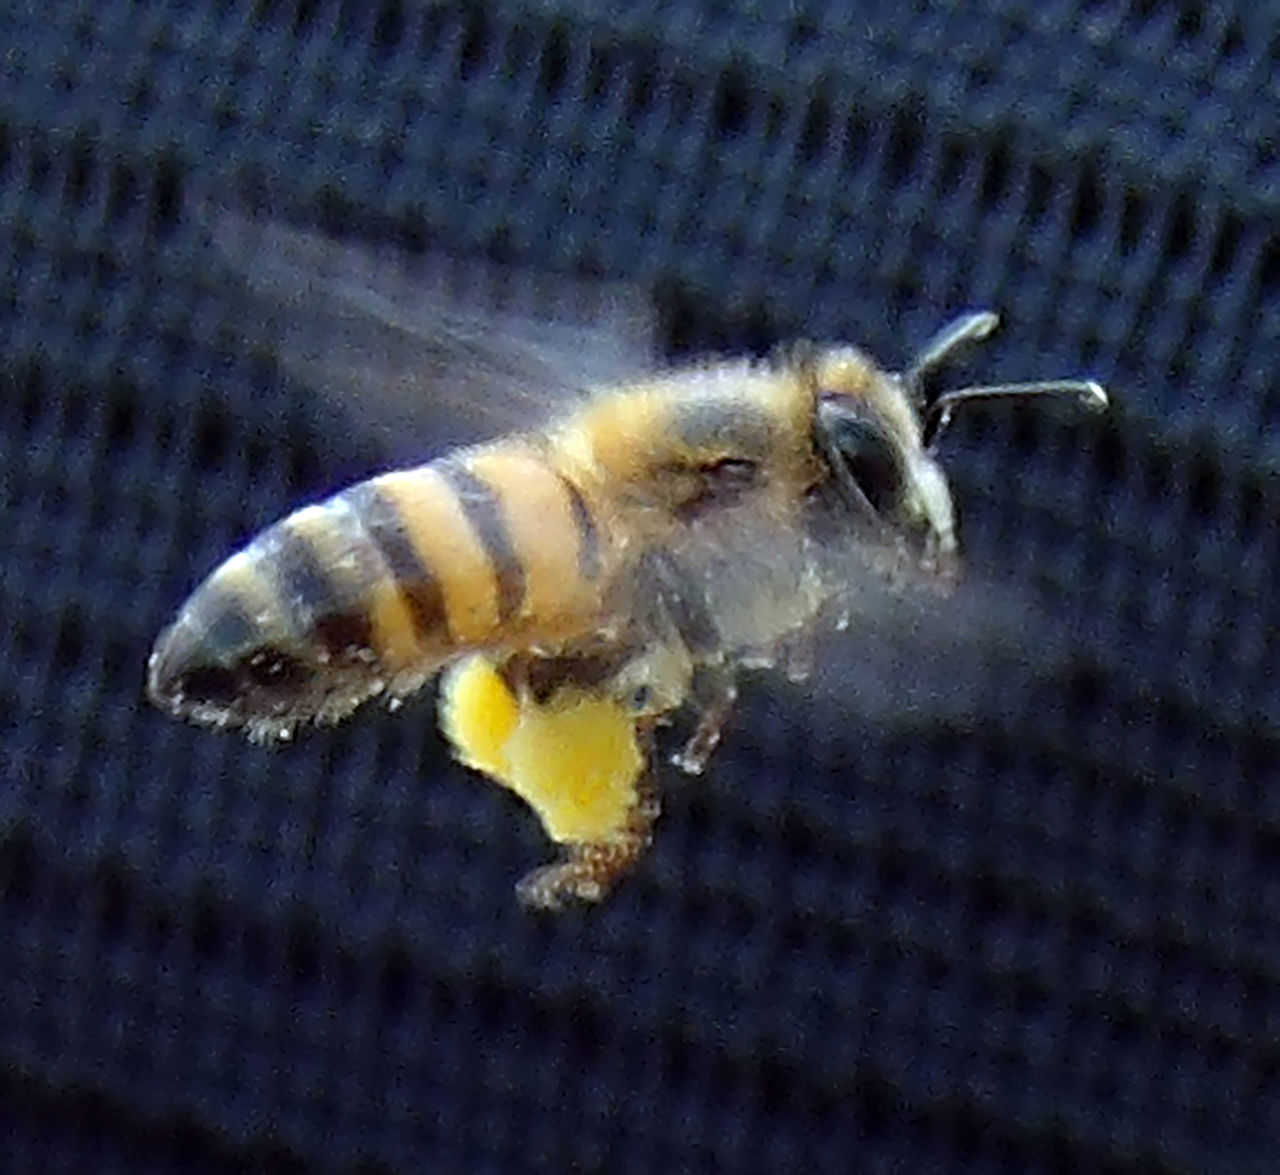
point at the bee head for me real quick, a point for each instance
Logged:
(867, 434)
(878, 432)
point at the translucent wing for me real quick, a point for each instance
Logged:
(425, 348)
(892, 643)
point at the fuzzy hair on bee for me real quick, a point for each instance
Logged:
(581, 576)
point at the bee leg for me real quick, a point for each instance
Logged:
(588, 872)
(682, 605)
(797, 654)
(714, 694)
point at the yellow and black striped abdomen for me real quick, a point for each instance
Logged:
(372, 590)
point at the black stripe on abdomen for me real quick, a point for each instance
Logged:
(484, 512)
(335, 616)
(385, 528)
(225, 627)
(588, 532)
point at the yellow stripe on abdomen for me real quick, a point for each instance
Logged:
(550, 531)
(444, 541)
(241, 579)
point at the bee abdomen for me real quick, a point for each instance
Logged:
(375, 588)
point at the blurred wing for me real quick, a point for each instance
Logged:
(428, 348)
(893, 648)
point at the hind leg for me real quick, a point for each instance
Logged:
(588, 872)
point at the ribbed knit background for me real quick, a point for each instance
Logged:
(1031, 926)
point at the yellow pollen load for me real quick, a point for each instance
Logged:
(574, 759)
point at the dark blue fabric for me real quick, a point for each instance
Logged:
(1032, 925)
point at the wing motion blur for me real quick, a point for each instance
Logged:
(429, 350)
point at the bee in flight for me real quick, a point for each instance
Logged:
(580, 582)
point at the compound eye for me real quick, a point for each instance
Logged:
(871, 463)
(864, 455)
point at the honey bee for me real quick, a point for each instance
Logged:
(580, 582)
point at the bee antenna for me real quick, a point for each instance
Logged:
(938, 415)
(971, 328)
(967, 328)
